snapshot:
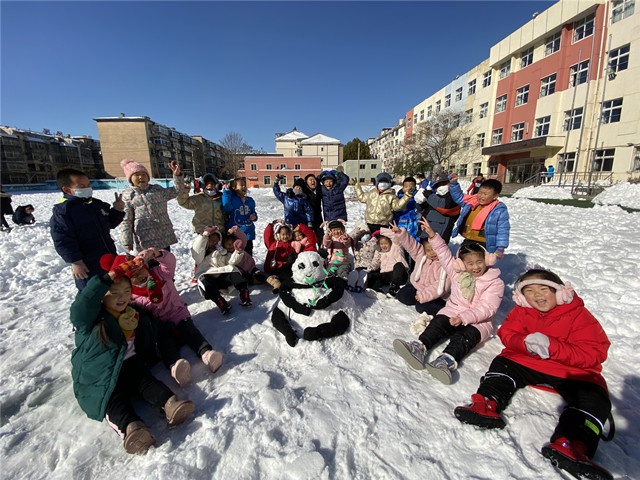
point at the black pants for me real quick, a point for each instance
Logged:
(463, 337)
(213, 284)
(134, 378)
(588, 404)
(374, 227)
(171, 337)
(397, 276)
(4, 221)
(249, 247)
(407, 296)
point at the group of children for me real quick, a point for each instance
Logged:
(400, 249)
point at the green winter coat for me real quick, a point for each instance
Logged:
(380, 206)
(207, 210)
(95, 366)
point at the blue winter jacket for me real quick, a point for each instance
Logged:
(240, 212)
(80, 229)
(408, 218)
(297, 209)
(333, 203)
(496, 226)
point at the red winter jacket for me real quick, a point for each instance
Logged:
(276, 250)
(578, 344)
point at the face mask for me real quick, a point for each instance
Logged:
(384, 186)
(443, 190)
(83, 192)
(211, 193)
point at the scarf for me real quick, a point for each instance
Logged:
(484, 212)
(467, 284)
(152, 290)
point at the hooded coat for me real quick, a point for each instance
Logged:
(380, 205)
(297, 208)
(207, 209)
(333, 202)
(240, 211)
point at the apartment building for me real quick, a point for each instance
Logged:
(261, 170)
(35, 157)
(297, 144)
(560, 91)
(155, 145)
(363, 170)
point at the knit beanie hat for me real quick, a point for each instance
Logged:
(383, 177)
(153, 287)
(130, 167)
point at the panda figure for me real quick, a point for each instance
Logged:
(311, 304)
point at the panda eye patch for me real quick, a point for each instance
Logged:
(315, 264)
(301, 266)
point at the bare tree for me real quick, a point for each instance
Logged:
(436, 145)
(234, 148)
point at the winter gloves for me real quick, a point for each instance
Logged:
(537, 344)
(127, 268)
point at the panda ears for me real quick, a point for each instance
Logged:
(489, 259)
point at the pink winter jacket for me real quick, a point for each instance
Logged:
(172, 309)
(385, 261)
(428, 277)
(486, 298)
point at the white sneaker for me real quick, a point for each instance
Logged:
(413, 353)
(371, 293)
(441, 368)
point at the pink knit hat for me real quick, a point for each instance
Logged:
(130, 167)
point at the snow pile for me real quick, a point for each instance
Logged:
(544, 191)
(624, 194)
(346, 408)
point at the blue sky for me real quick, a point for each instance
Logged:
(346, 69)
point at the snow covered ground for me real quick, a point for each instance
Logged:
(346, 408)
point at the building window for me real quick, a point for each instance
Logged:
(361, 180)
(612, 110)
(468, 116)
(266, 180)
(526, 58)
(578, 73)
(438, 105)
(619, 59)
(522, 95)
(572, 119)
(297, 166)
(496, 137)
(322, 149)
(429, 111)
(583, 27)
(462, 170)
(492, 166)
(447, 100)
(268, 166)
(636, 159)
(283, 166)
(542, 126)
(374, 166)
(486, 79)
(505, 69)
(299, 152)
(567, 162)
(517, 132)
(421, 115)
(466, 142)
(254, 166)
(603, 160)
(501, 103)
(477, 168)
(362, 166)
(622, 9)
(472, 87)
(458, 94)
(484, 110)
(552, 44)
(480, 140)
(548, 85)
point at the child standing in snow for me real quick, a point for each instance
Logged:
(206, 204)
(429, 285)
(550, 339)
(438, 207)
(297, 209)
(146, 220)
(217, 257)
(407, 217)
(337, 243)
(241, 210)
(381, 201)
(476, 294)
(115, 343)
(332, 185)
(280, 252)
(153, 289)
(389, 267)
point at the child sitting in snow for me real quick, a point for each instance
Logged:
(304, 239)
(24, 215)
(365, 245)
(337, 243)
(216, 256)
(241, 209)
(146, 220)
(429, 285)
(389, 267)
(550, 339)
(280, 252)
(153, 289)
(476, 294)
(115, 343)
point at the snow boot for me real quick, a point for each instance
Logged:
(371, 293)
(275, 283)
(177, 411)
(414, 352)
(181, 372)
(442, 367)
(138, 439)
(245, 300)
(571, 456)
(483, 412)
(222, 304)
(393, 290)
(212, 359)
(362, 281)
